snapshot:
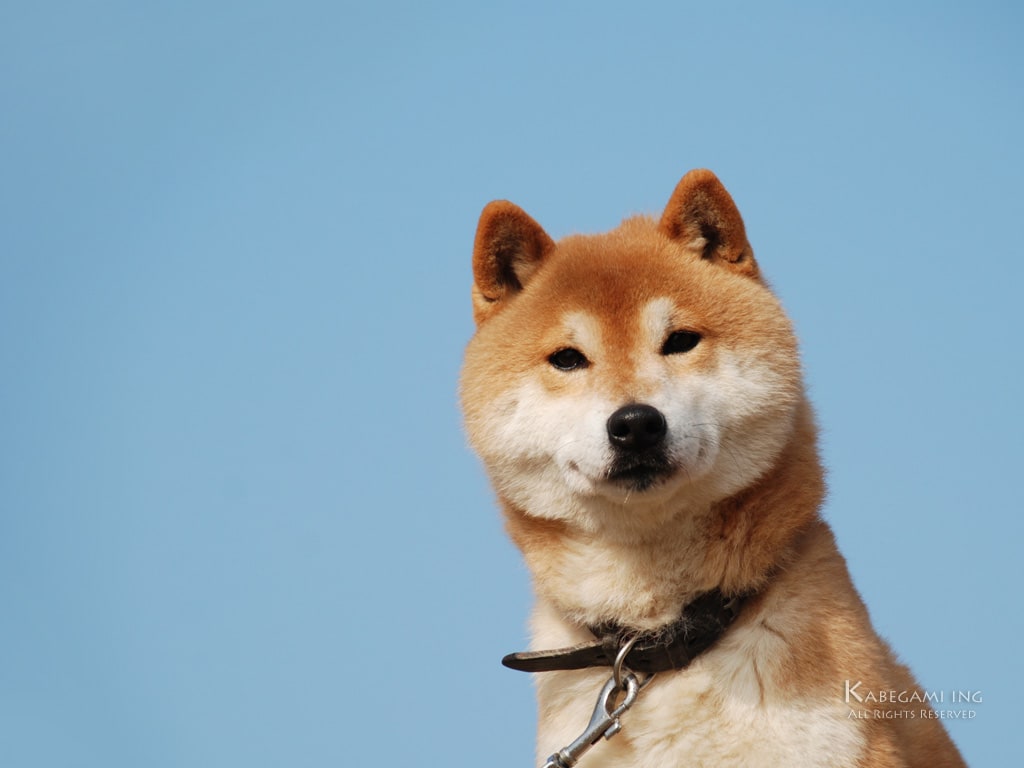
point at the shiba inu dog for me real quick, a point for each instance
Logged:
(636, 399)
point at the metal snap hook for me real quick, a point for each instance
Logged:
(620, 659)
(604, 722)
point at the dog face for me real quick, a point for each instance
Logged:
(648, 367)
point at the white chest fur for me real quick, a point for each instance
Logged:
(726, 709)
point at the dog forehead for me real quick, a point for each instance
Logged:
(634, 274)
(642, 291)
(652, 317)
(581, 327)
(658, 315)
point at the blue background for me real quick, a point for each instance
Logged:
(238, 521)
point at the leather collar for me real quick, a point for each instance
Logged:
(673, 646)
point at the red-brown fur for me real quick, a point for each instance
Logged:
(767, 537)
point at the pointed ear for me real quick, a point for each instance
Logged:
(508, 249)
(701, 215)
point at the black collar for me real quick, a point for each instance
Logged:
(673, 646)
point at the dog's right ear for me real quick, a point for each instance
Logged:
(509, 247)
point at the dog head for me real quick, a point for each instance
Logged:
(639, 372)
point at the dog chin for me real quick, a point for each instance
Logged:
(635, 486)
(640, 479)
(641, 484)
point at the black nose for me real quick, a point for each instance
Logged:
(636, 427)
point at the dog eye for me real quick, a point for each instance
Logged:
(680, 341)
(568, 359)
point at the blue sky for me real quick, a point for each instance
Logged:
(238, 521)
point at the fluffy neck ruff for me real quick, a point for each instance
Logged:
(640, 581)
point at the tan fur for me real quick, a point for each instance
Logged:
(739, 512)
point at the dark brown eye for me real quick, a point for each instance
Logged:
(680, 341)
(568, 359)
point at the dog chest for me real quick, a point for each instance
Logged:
(700, 718)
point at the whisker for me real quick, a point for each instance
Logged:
(714, 441)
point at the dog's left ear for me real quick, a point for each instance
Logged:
(702, 216)
(508, 249)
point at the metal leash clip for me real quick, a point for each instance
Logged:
(604, 723)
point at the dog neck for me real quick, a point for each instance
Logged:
(672, 647)
(593, 578)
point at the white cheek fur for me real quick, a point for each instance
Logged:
(717, 425)
(548, 448)
(550, 454)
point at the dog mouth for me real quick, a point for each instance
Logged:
(639, 473)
